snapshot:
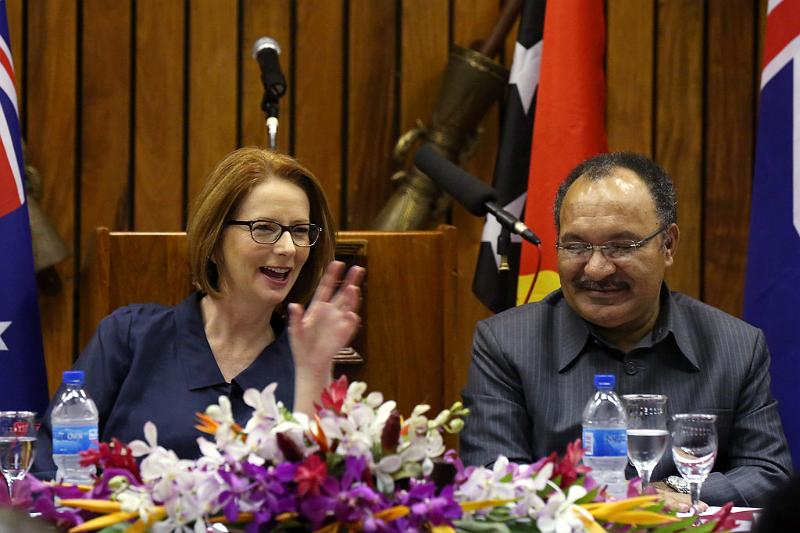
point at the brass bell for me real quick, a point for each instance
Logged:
(472, 83)
(49, 248)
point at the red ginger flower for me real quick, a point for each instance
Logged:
(111, 455)
(569, 467)
(334, 394)
(725, 522)
(310, 475)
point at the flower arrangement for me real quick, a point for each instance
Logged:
(356, 465)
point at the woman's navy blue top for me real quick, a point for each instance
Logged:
(152, 362)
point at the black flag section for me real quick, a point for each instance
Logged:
(494, 287)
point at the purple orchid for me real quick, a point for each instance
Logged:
(39, 497)
(427, 507)
(358, 503)
(237, 489)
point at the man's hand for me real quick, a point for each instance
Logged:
(677, 501)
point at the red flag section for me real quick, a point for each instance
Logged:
(569, 127)
(9, 193)
(784, 28)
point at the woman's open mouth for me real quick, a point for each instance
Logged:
(276, 273)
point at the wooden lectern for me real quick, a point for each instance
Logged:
(406, 342)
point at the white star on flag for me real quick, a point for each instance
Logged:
(491, 230)
(525, 72)
(3, 327)
(525, 75)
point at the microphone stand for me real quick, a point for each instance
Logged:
(503, 244)
(269, 104)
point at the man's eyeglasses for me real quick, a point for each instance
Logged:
(270, 232)
(617, 249)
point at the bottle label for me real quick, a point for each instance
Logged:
(68, 440)
(605, 442)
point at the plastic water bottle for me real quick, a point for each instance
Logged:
(74, 421)
(604, 436)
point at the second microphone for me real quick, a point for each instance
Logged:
(476, 197)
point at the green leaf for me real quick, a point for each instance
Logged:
(335, 463)
(500, 514)
(116, 528)
(513, 525)
(708, 527)
(659, 507)
(523, 526)
(408, 470)
(475, 526)
(590, 496)
(676, 526)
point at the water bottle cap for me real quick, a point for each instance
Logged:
(73, 376)
(605, 381)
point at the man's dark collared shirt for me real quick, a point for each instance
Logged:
(153, 363)
(532, 373)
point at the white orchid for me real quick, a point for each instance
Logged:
(354, 432)
(486, 484)
(210, 454)
(383, 472)
(266, 413)
(418, 422)
(227, 433)
(527, 487)
(559, 515)
(374, 399)
(150, 444)
(222, 412)
(159, 462)
(136, 500)
(355, 394)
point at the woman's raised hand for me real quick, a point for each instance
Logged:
(316, 334)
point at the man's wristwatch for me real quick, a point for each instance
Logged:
(678, 484)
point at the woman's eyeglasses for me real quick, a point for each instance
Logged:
(270, 232)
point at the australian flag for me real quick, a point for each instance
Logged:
(23, 382)
(772, 288)
(496, 288)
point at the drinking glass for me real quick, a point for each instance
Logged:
(694, 449)
(647, 431)
(17, 445)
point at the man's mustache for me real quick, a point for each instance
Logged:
(604, 285)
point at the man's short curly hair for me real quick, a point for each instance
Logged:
(602, 166)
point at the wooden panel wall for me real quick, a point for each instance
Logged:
(127, 105)
(51, 124)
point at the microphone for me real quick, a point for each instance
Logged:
(476, 197)
(266, 52)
